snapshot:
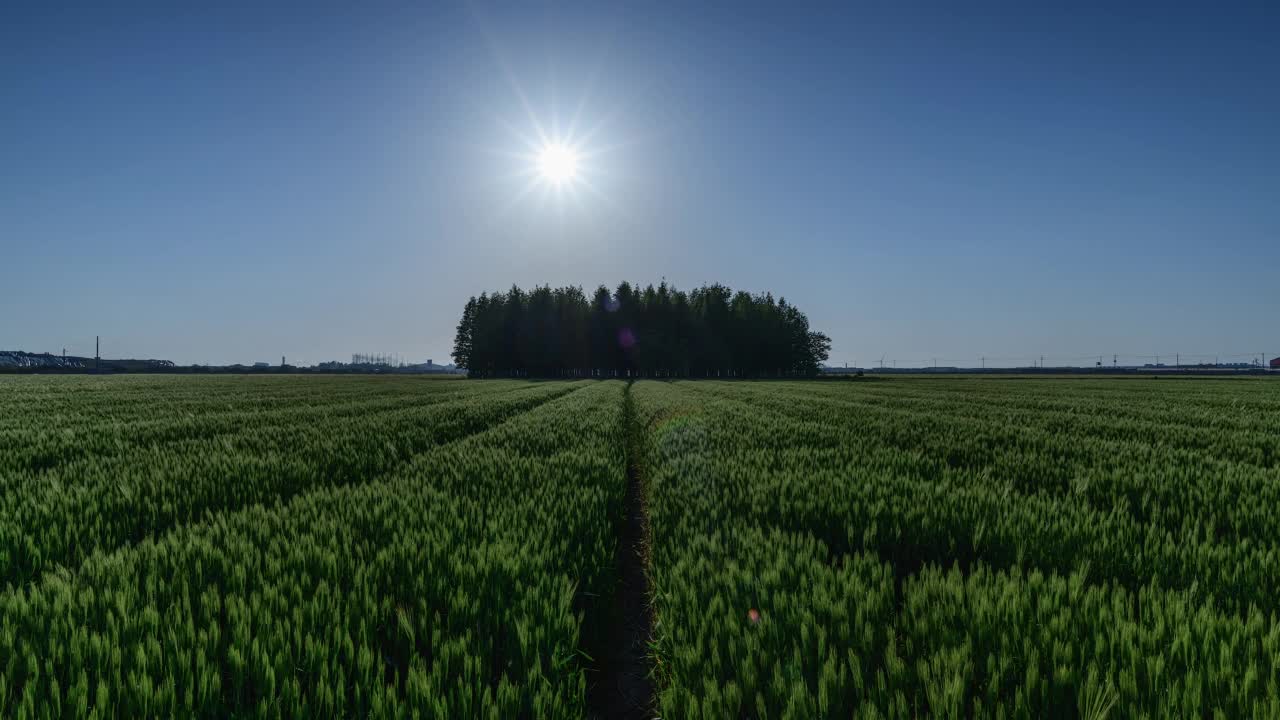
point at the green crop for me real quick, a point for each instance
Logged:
(285, 546)
(441, 578)
(73, 490)
(965, 548)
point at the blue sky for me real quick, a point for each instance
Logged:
(230, 184)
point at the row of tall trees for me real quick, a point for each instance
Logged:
(660, 331)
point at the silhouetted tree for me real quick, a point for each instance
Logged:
(632, 332)
(462, 339)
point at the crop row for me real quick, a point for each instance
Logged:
(819, 552)
(451, 588)
(1003, 491)
(60, 515)
(67, 421)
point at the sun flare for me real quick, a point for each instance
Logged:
(559, 158)
(557, 163)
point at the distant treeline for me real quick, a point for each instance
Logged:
(660, 331)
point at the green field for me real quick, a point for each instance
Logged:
(293, 546)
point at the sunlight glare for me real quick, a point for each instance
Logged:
(558, 163)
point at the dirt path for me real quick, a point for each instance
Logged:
(620, 686)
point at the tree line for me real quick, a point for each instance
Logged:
(660, 331)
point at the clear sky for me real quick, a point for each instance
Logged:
(220, 182)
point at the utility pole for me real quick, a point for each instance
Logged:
(1177, 360)
(97, 355)
(984, 362)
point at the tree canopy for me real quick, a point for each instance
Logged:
(660, 331)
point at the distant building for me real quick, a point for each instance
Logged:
(1275, 363)
(262, 365)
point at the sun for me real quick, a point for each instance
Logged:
(558, 163)
(561, 163)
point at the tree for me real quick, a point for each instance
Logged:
(462, 338)
(711, 331)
